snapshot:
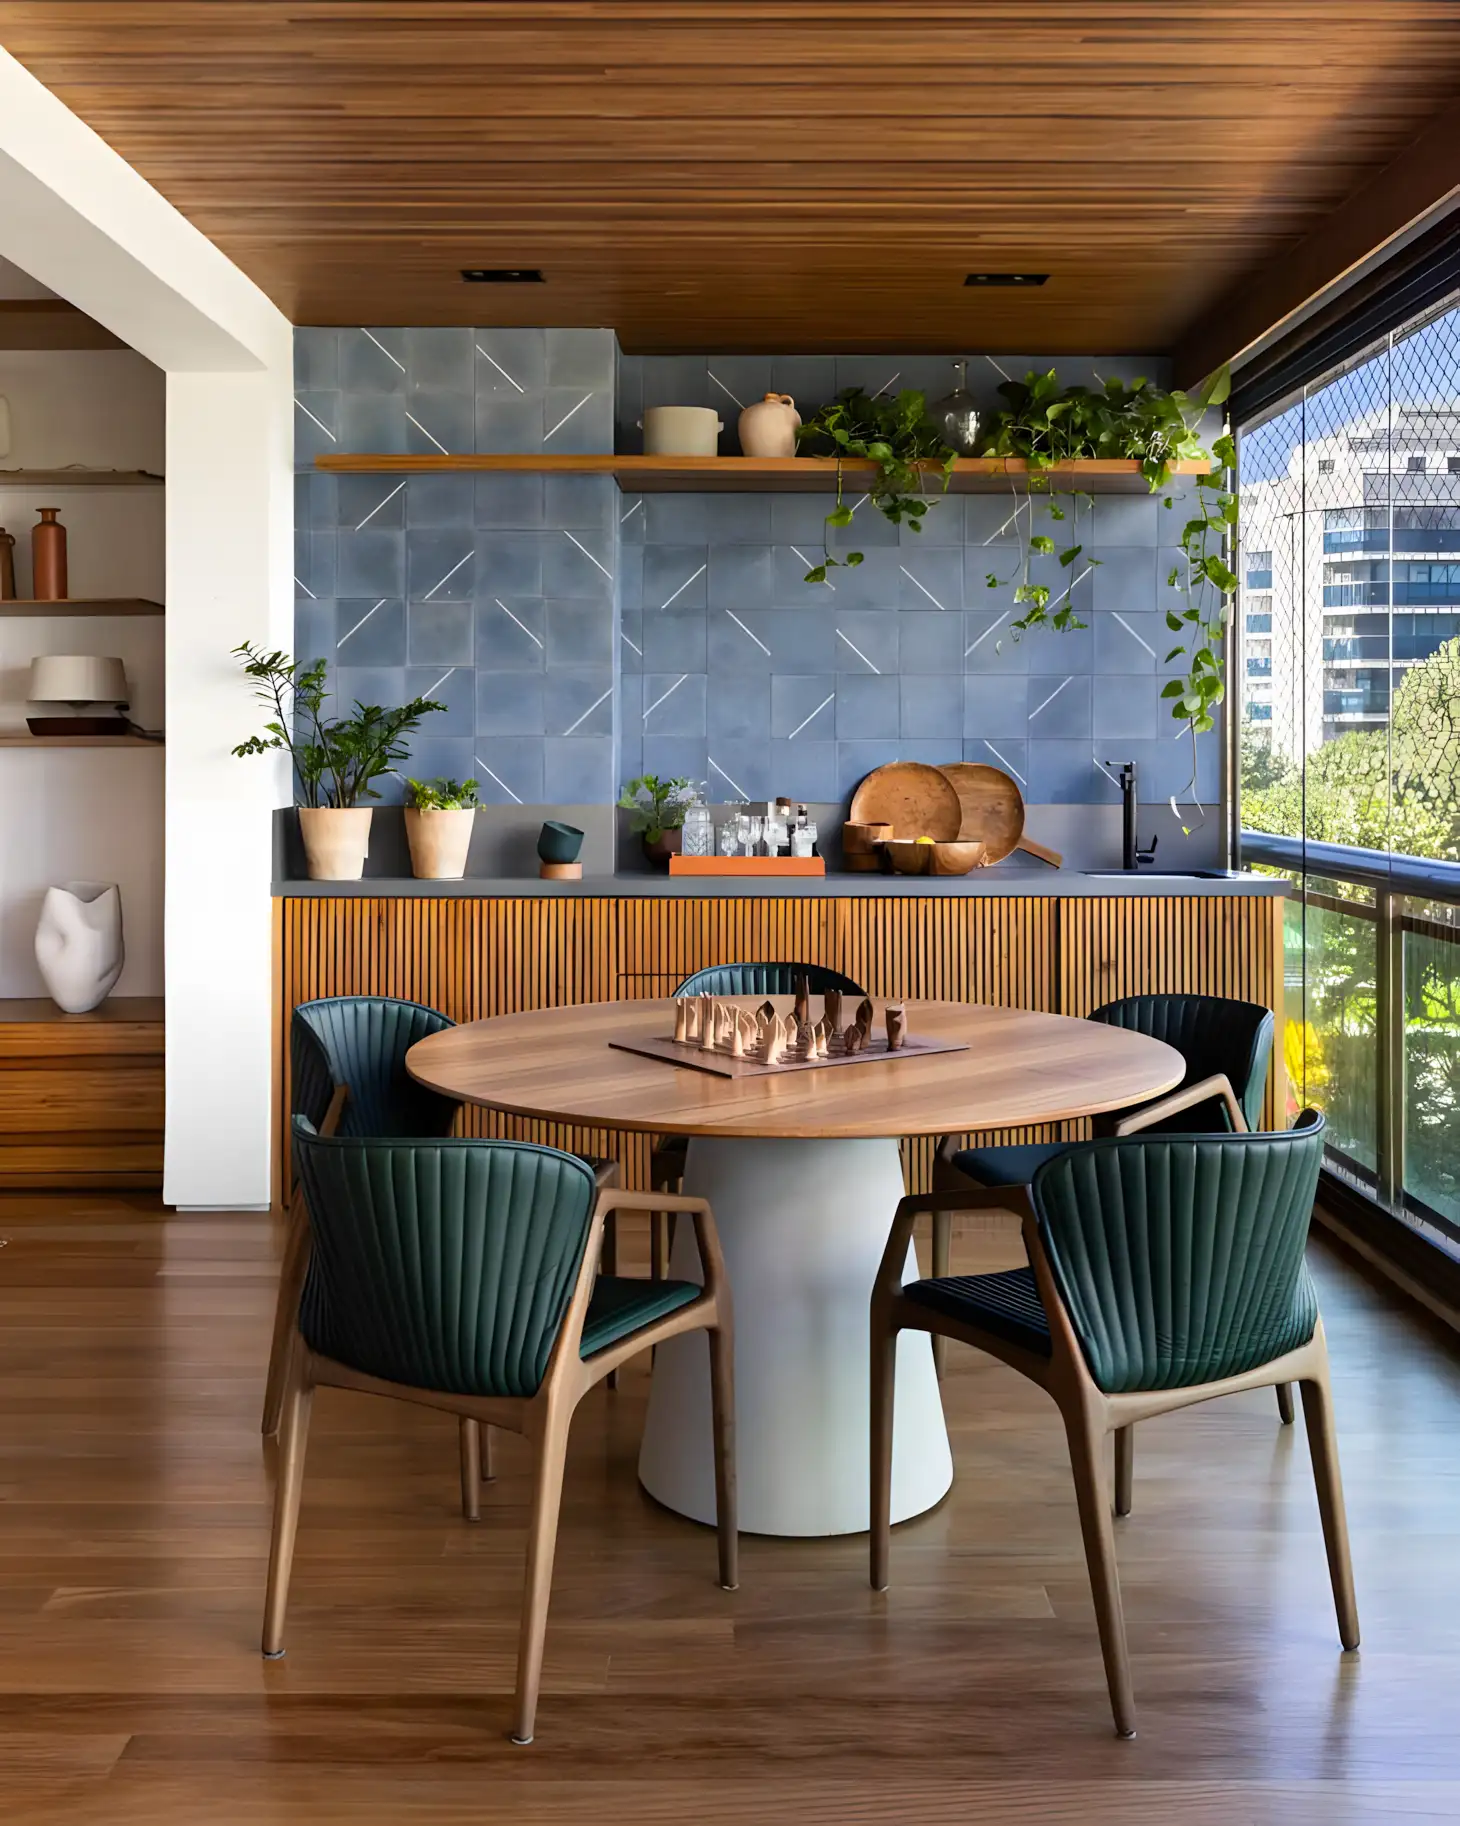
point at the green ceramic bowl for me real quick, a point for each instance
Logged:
(557, 842)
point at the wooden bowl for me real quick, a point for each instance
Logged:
(959, 858)
(909, 857)
(862, 839)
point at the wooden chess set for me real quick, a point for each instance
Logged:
(720, 1034)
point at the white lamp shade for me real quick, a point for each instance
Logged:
(77, 678)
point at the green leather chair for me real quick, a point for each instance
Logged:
(1164, 1269)
(667, 1157)
(462, 1275)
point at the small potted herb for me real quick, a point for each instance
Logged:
(336, 759)
(656, 811)
(439, 822)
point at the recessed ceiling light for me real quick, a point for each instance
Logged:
(502, 275)
(1006, 279)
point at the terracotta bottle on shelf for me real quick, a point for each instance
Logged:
(48, 557)
(7, 566)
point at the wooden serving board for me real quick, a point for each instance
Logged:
(991, 805)
(915, 799)
(675, 1052)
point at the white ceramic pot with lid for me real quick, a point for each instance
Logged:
(681, 431)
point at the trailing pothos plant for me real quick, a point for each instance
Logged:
(1045, 424)
(899, 437)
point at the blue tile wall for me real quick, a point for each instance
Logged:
(579, 636)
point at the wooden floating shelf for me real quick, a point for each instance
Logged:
(758, 475)
(81, 605)
(79, 478)
(80, 741)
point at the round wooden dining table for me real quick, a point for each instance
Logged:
(803, 1173)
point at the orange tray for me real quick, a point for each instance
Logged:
(747, 865)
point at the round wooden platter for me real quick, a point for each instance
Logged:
(991, 806)
(916, 800)
(1019, 1067)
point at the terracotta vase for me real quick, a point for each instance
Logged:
(439, 842)
(7, 566)
(48, 557)
(768, 429)
(336, 841)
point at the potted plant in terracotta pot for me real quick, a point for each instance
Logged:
(439, 822)
(656, 811)
(336, 759)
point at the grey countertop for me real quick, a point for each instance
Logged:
(1035, 883)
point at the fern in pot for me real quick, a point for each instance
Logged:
(336, 759)
(440, 819)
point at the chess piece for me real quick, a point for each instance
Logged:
(707, 1020)
(737, 1040)
(803, 1000)
(819, 1037)
(896, 1017)
(724, 1024)
(805, 1040)
(690, 1005)
(681, 1021)
(854, 1039)
(767, 1010)
(748, 1029)
(865, 1013)
(832, 1004)
(774, 1043)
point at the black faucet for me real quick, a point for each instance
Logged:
(1132, 855)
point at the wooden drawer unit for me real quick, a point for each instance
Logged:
(81, 1096)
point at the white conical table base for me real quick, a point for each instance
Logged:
(803, 1225)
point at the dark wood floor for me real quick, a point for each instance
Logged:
(134, 1518)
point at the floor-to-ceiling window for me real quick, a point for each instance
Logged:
(1348, 695)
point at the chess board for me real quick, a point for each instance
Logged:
(724, 1065)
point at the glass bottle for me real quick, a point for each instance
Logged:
(956, 415)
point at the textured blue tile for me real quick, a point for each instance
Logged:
(673, 640)
(867, 707)
(866, 638)
(675, 519)
(441, 564)
(738, 381)
(509, 564)
(508, 501)
(805, 770)
(509, 769)
(1059, 707)
(440, 424)
(439, 633)
(438, 757)
(373, 360)
(855, 760)
(1173, 595)
(1171, 770)
(314, 632)
(440, 361)
(629, 701)
(803, 706)
(576, 423)
(631, 521)
(374, 501)
(1062, 773)
(739, 577)
(738, 709)
(630, 761)
(930, 643)
(809, 379)
(587, 504)
(455, 687)
(316, 427)
(800, 640)
(739, 640)
(1111, 754)
(932, 751)
(630, 567)
(989, 644)
(677, 380)
(744, 767)
(510, 703)
(873, 584)
(511, 633)
(579, 565)
(932, 705)
(314, 565)
(444, 500)
(1130, 640)
(369, 633)
(631, 641)
(1009, 754)
(931, 578)
(800, 520)
(578, 702)
(676, 757)
(674, 704)
(579, 770)
(581, 358)
(316, 360)
(789, 588)
(990, 524)
(373, 422)
(509, 362)
(1125, 707)
(1127, 520)
(1125, 578)
(995, 705)
(628, 399)
(370, 563)
(508, 423)
(579, 634)
(314, 501)
(383, 685)
(674, 575)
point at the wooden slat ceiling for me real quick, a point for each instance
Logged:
(754, 176)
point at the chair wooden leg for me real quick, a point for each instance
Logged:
(942, 1253)
(542, 1541)
(471, 1469)
(1087, 1463)
(884, 1380)
(658, 1244)
(722, 1416)
(298, 1400)
(1285, 1403)
(1323, 1448)
(608, 1264)
(1125, 1464)
(286, 1312)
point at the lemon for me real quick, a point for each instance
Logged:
(922, 839)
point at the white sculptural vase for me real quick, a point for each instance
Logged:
(78, 943)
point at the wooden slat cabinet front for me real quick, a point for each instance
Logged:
(475, 957)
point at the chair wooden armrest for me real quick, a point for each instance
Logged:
(1218, 1085)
